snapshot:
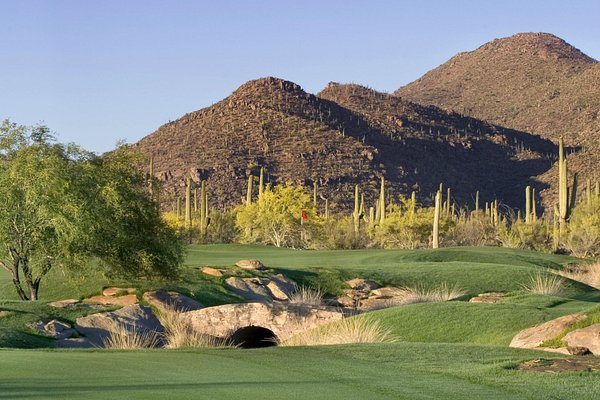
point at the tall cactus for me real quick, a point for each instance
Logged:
(203, 209)
(249, 190)
(315, 196)
(477, 201)
(436, 220)
(563, 196)
(356, 212)
(528, 205)
(381, 205)
(188, 203)
(261, 182)
(533, 206)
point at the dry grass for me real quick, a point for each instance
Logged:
(585, 273)
(545, 283)
(179, 332)
(304, 295)
(358, 329)
(124, 337)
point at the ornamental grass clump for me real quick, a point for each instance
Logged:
(357, 329)
(128, 337)
(544, 283)
(307, 296)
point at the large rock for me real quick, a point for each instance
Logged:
(250, 264)
(532, 338)
(168, 301)
(283, 319)
(362, 284)
(117, 291)
(491, 298)
(98, 327)
(55, 329)
(249, 288)
(113, 301)
(68, 303)
(212, 272)
(586, 337)
(275, 287)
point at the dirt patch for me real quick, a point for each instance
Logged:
(575, 364)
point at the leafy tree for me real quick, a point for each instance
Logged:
(62, 205)
(276, 218)
(583, 236)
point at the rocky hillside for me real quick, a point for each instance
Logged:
(346, 135)
(534, 82)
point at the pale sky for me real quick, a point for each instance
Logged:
(99, 71)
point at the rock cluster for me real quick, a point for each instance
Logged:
(270, 288)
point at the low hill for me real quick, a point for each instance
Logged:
(534, 82)
(337, 140)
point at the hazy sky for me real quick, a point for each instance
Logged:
(96, 71)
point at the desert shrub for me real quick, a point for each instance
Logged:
(474, 230)
(358, 329)
(221, 228)
(339, 233)
(276, 218)
(583, 235)
(532, 236)
(544, 283)
(419, 294)
(408, 228)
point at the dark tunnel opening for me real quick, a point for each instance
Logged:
(251, 337)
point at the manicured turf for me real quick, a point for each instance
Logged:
(444, 350)
(385, 371)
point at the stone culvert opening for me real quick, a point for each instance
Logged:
(251, 337)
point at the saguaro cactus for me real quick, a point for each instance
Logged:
(249, 190)
(382, 201)
(436, 220)
(261, 181)
(528, 205)
(356, 212)
(188, 203)
(563, 196)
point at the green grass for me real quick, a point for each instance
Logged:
(384, 371)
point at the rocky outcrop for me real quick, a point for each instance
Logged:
(217, 273)
(283, 319)
(171, 301)
(98, 327)
(585, 338)
(272, 287)
(55, 329)
(122, 301)
(249, 264)
(532, 338)
(490, 298)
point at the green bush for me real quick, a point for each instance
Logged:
(583, 235)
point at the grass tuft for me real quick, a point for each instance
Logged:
(411, 295)
(124, 337)
(349, 330)
(304, 295)
(546, 284)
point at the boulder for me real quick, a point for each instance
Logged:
(585, 337)
(250, 288)
(388, 292)
(167, 301)
(98, 327)
(114, 291)
(532, 338)
(68, 303)
(578, 350)
(54, 329)
(115, 301)
(212, 272)
(491, 297)
(250, 264)
(362, 284)
(346, 301)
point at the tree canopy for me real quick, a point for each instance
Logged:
(62, 205)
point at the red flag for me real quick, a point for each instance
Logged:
(304, 216)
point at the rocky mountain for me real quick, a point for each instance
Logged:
(346, 134)
(534, 82)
